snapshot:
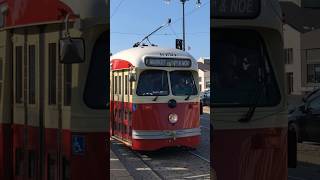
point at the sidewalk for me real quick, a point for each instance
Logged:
(117, 170)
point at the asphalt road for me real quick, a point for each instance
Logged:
(309, 163)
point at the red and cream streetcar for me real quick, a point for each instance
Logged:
(154, 98)
(53, 64)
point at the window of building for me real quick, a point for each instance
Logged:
(289, 82)
(19, 84)
(313, 73)
(288, 55)
(52, 73)
(32, 74)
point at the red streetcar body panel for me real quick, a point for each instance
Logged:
(23, 12)
(253, 153)
(5, 151)
(155, 116)
(120, 64)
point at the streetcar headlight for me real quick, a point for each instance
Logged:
(173, 118)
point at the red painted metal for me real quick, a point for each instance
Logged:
(120, 64)
(5, 152)
(92, 164)
(23, 12)
(250, 153)
(151, 145)
(154, 116)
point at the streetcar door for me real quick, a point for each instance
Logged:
(122, 107)
(116, 108)
(126, 105)
(20, 121)
(112, 110)
(25, 104)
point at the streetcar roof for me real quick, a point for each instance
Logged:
(136, 56)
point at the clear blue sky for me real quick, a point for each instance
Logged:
(131, 20)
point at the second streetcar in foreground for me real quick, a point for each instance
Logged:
(154, 98)
(249, 99)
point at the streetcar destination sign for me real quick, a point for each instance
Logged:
(236, 9)
(167, 62)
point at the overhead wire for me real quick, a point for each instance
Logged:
(116, 9)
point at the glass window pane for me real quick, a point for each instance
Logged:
(96, 92)
(242, 74)
(52, 73)
(19, 74)
(153, 83)
(32, 74)
(182, 83)
(67, 84)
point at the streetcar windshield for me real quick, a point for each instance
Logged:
(242, 73)
(153, 83)
(182, 83)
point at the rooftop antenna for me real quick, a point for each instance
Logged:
(147, 37)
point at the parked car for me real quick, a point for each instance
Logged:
(304, 120)
(205, 98)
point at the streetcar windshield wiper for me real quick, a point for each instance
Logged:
(188, 96)
(155, 98)
(248, 116)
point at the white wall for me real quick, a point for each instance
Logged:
(292, 39)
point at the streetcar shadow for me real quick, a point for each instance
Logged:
(168, 151)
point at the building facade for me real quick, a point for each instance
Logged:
(204, 73)
(301, 45)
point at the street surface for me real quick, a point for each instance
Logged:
(169, 163)
(309, 163)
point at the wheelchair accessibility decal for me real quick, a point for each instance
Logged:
(78, 145)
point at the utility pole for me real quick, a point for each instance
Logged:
(183, 26)
(183, 21)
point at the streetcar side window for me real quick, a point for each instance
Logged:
(126, 85)
(153, 83)
(67, 84)
(96, 93)
(243, 75)
(19, 74)
(116, 85)
(120, 85)
(32, 74)
(130, 88)
(52, 73)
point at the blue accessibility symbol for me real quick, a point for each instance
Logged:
(78, 145)
(134, 107)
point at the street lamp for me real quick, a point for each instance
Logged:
(198, 3)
